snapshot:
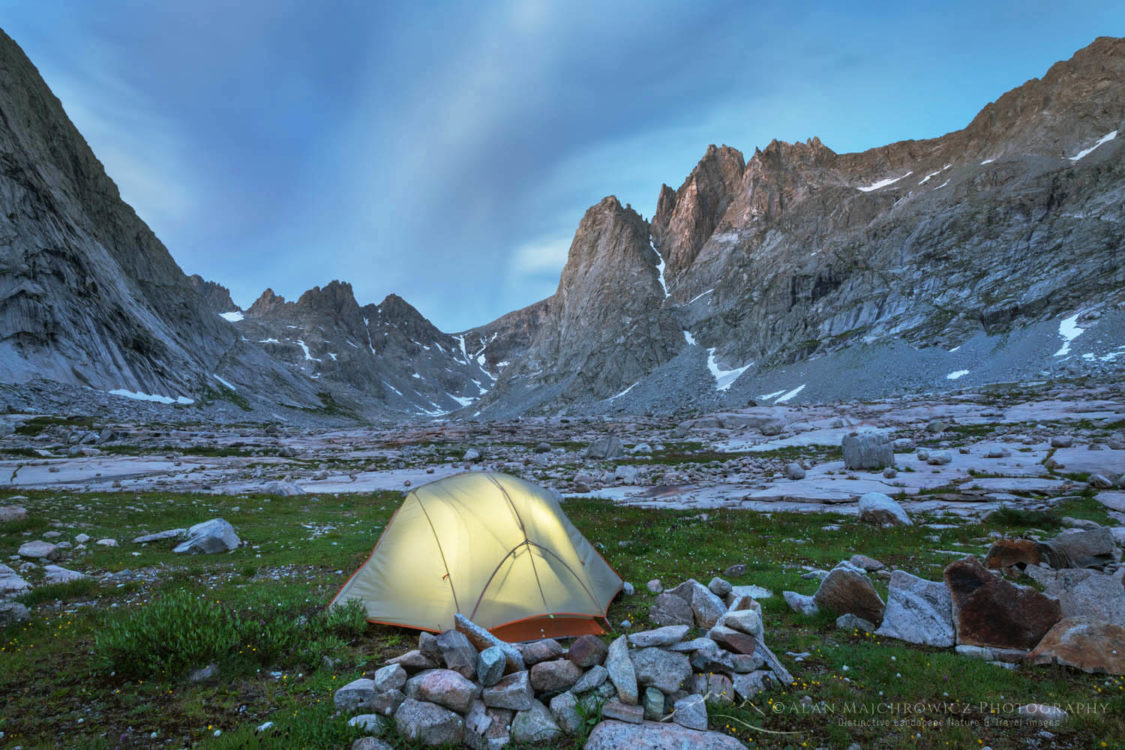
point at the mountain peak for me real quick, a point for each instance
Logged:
(685, 218)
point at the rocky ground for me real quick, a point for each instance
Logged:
(107, 526)
(967, 453)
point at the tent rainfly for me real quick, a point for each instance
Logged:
(492, 547)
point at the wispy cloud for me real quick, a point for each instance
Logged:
(447, 151)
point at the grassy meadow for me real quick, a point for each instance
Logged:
(109, 663)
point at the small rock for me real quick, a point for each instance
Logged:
(1062, 441)
(157, 537)
(867, 563)
(554, 676)
(385, 703)
(719, 587)
(209, 537)
(10, 513)
(665, 636)
(849, 621)
(513, 692)
(448, 688)
(615, 709)
(39, 550)
(655, 586)
(653, 735)
(487, 728)
(204, 674)
(355, 694)
(621, 671)
(413, 661)
(733, 640)
(541, 650)
(587, 651)
(535, 725)
(800, 603)
(490, 666)
(690, 712)
(669, 609)
(848, 589)
(664, 670)
(746, 686)
(738, 569)
(627, 589)
(605, 448)
(879, 509)
(457, 653)
(428, 723)
(107, 542)
(12, 613)
(593, 678)
(867, 451)
(653, 704)
(564, 710)
(795, 471)
(390, 677)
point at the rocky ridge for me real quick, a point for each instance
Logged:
(990, 254)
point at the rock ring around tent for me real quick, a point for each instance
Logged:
(492, 547)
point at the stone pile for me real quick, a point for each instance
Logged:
(652, 687)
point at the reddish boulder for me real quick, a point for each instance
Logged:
(848, 590)
(1005, 553)
(1083, 643)
(990, 611)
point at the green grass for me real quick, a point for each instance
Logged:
(58, 592)
(117, 657)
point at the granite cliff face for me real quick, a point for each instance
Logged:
(607, 323)
(801, 253)
(88, 295)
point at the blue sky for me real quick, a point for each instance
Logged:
(445, 151)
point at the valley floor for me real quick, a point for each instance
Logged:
(682, 498)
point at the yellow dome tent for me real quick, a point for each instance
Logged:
(495, 548)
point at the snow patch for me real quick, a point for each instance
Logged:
(333, 356)
(305, 349)
(699, 296)
(269, 341)
(228, 385)
(791, 394)
(463, 400)
(660, 269)
(1101, 142)
(233, 316)
(771, 396)
(987, 161)
(956, 374)
(138, 396)
(689, 338)
(1069, 330)
(884, 183)
(724, 379)
(619, 395)
(939, 187)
